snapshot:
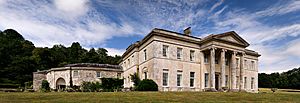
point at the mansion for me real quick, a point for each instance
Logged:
(182, 62)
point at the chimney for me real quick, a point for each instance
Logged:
(187, 31)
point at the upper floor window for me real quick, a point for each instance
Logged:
(226, 61)
(192, 55)
(145, 54)
(237, 63)
(132, 59)
(128, 62)
(165, 50)
(252, 65)
(75, 73)
(98, 75)
(216, 60)
(179, 53)
(205, 58)
(245, 64)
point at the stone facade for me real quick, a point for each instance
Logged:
(181, 62)
(60, 77)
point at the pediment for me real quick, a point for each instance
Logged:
(232, 37)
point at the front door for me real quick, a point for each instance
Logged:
(217, 81)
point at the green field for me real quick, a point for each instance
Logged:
(117, 97)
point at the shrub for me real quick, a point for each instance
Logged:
(45, 86)
(112, 84)
(147, 85)
(90, 87)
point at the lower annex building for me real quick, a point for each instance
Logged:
(182, 62)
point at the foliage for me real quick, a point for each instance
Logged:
(45, 86)
(287, 80)
(147, 85)
(90, 87)
(19, 57)
(111, 84)
(135, 79)
(29, 85)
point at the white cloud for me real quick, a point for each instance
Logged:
(113, 51)
(280, 8)
(73, 7)
(216, 5)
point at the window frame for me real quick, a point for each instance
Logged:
(179, 53)
(165, 50)
(192, 78)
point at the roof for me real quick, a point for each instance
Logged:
(94, 65)
(243, 43)
(87, 66)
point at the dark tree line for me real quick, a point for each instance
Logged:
(19, 57)
(286, 80)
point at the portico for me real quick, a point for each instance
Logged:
(224, 62)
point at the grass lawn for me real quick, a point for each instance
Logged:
(117, 97)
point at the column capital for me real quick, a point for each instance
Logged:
(224, 50)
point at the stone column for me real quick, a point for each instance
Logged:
(223, 65)
(233, 71)
(242, 72)
(202, 83)
(212, 69)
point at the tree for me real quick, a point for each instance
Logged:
(135, 78)
(45, 86)
(147, 85)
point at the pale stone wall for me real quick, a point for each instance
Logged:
(156, 62)
(88, 74)
(38, 77)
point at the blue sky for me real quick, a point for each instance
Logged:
(272, 27)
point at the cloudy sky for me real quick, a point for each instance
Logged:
(272, 27)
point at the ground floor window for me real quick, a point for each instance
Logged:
(145, 75)
(98, 74)
(179, 77)
(165, 77)
(206, 80)
(237, 81)
(245, 83)
(252, 83)
(226, 80)
(192, 78)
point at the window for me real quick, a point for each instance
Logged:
(192, 78)
(252, 65)
(237, 81)
(165, 50)
(192, 55)
(98, 74)
(206, 80)
(165, 77)
(205, 58)
(252, 83)
(125, 65)
(75, 73)
(132, 59)
(145, 54)
(226, 61)
(179, 53)
(237, 63)
(145, 75)
(226, 80)
(216, 60)
(118, 75)
(245, 64)
(128, 62)
(245, 83)
(179, 78)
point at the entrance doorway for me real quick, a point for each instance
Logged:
(217, 81)
(60, 84)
